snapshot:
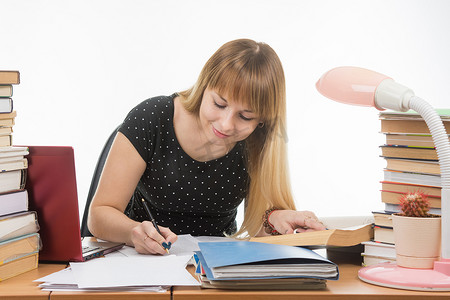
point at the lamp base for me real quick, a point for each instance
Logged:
(392, 276)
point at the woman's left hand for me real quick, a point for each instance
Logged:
(286, 221)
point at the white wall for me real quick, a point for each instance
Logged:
(85, 64)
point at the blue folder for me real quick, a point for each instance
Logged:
(221, 254)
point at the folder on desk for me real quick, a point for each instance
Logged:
(243, 260)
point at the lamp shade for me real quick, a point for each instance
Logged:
(351, 85)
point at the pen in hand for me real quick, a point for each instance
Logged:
(165, 246)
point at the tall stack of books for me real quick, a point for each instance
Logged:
(411, 165)
(19, 240)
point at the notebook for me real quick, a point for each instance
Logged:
(52, 189)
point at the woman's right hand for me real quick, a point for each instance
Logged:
(147, 240)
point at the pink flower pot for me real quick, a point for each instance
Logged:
(417, 241)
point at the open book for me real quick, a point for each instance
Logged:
(342, 232)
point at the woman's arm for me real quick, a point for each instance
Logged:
(121, 173)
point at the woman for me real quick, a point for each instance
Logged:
(193, 157)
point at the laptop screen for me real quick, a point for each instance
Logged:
(52, 189)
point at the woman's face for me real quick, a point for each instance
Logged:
(224, 120)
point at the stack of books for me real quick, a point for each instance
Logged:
(411, 165)
(411, 159)
(253, 265)
(19, 240)
(382, 247)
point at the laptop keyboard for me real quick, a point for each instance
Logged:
(89, 248)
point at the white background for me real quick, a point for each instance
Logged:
(85, 64)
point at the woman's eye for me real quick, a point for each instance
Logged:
(218, 105)
(246, 118)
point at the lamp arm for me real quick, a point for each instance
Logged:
(442, 144)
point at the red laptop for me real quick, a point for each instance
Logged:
(52, 189)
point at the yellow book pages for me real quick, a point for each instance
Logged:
(337, 237)
(330, 237)
(18, 266)
(6, 90)
(10, 115)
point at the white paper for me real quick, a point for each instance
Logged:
(127, 270)
(145, 270)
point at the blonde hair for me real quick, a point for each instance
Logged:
(252, 73)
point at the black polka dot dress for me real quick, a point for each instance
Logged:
(188, 196)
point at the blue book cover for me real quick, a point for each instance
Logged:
(214, 255)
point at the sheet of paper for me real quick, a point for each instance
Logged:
(144, 270)
(127, 270)
(64, 276)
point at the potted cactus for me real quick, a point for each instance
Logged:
(417, 232)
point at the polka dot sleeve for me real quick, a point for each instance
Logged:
(141, 125)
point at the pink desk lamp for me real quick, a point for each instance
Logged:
(359, 86)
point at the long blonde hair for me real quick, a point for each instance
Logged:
(252, 73)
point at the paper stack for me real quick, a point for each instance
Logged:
(253, 265)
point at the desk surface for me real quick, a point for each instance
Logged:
(23, 287)
(347, 287)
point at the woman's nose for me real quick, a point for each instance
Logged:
(227, 122)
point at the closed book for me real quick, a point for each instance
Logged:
(9, 77)
(7, 122)
(396, 208)
(15, 225)
(6, 105)
(410, 188)
(6, 90)
(444, 113)
(6, 130)
(19, 266)
(13, 165)
(10, 115)
(370, 260)
(13, 202)
(12, 180)
(412, 178)
(410, 122)
(382, 218)
(408, 126)
(13, 151)
(408, 152)
(21, 246)
(5, 140)
(412, 165)
(342, 232)
(411, 140)
(394, 198)
(383, 234)
(379, 249)
(238, 260)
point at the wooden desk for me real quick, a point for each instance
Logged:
(349, 286)
(23, 287)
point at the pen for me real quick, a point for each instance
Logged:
(154, 223)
